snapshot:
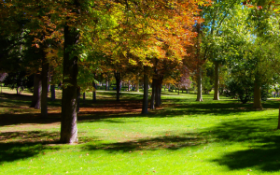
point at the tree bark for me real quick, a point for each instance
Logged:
(69, 130)
(278, 127)
(158, 91)
(145, 95)
(128, 84)
(137, 82)
(84, 98)
(199, 85)
(118, 81)
(107, 82)
(78, 98)
(257, 94)
(153, 93)
(18, 90)
(94, 92)
(45, 82)
(36, 99)
(199, 69)
(216, 87)
(53, 92)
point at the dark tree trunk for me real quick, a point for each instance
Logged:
(137, 82)
(118, 80)
(257, 94)
(84, 98)
(159, 97)
(153, 93)
(216, 88)
(278, 127)
(78, 98)
(69, 130)
(45, 82)
(158, 91)
(178, 91)
(53, 92)
(145, 95)
(107, 82)
(199, 69)
(36, 99)
(221, 91)
(94, 92)
(199, 85)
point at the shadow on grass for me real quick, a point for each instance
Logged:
(104, 111)
(21, 99)
(166, 142)
(260, 138)
(265, 158)
(23, 145)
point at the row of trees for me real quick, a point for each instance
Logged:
(72, 41)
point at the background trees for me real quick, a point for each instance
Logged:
(76, 41)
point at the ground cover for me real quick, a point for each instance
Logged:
(181, 137)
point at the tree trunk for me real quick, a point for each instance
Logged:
(84, 98)
(137, 82)
(53, 92)
(107, 82)
(118, 81)
(78, 98)
(221, 91)
(69, 130)
(199, 69)
(145, 95)
(158, 91)
(257, 94)
(94, 92)
(278, 127)
(153, 93)
(45, 82)
(128, 84)
(216, 87)
(36, 99)
(178, 91)
(199, 85)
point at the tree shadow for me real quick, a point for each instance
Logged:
(258, 136)
(265, 158)
(26, 144)
(166, 142)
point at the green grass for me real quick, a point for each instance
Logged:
(184, 137)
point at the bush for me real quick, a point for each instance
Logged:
(243, 89)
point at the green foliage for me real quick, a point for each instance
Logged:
(243, 89)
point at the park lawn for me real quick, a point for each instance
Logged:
(182, 137)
